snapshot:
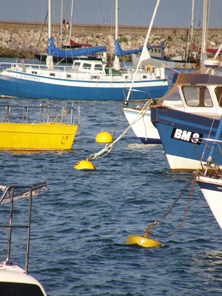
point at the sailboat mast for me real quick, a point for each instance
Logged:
(49, 18)
(62, 3)
(116, 63)
(192, 21)
(204, 31)
(49, 60)
(145, 53)
(70, 32)
(117, 19)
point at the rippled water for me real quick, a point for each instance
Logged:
(81, 223)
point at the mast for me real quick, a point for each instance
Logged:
(192, 21)
(49, 18)
(145, 53)
(49, 61)
(116, 63)
(204, 31)
(70, 32)
(62, 3)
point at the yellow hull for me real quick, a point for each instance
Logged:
(37, 137)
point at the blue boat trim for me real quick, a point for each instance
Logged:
(150, 141)
(209, 186)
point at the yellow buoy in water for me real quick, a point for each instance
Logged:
(104, 137)
(142, 241)
(84, 165)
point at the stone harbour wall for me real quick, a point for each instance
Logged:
(18, 39)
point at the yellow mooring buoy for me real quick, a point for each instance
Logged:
(142, 241)
(84, 165)
(104, 137)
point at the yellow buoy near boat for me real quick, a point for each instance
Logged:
(104, 137)
(142, 241)
(84, 165)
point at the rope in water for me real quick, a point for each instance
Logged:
(152, 225)
(110, 146)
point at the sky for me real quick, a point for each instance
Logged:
(131, 12)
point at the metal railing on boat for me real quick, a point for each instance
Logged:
(10, 194)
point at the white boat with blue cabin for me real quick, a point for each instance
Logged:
(84, 80)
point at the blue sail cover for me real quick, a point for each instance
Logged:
(119, 52)
(69, 53)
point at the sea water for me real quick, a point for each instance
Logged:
(81, 223)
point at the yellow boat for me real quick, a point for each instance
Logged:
(52, 132)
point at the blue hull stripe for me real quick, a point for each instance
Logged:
(208, 186)
(150, 141)
(39, 90)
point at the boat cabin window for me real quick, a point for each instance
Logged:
(19, 289)
(197, 96)
(52, 74)
(86, 66)
(68, 76)
(76, 65)
(98, 67)
(218, 92)
(34, 72)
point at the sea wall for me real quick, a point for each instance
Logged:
(22, 39)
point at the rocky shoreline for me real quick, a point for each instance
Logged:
(24, 43)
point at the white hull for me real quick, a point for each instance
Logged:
(143, 127)
(212, 191)
(182, 163)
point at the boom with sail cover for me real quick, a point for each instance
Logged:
(119, 52)
(54, 51)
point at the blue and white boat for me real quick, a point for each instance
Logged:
(182, 130)
(84, 80)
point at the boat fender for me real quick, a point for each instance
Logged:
(149, 68)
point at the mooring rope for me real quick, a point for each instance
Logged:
(152, 225)
(110, 146)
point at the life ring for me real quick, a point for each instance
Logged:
(149, 68)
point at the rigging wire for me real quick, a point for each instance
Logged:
(100, 12)
(64, 16)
